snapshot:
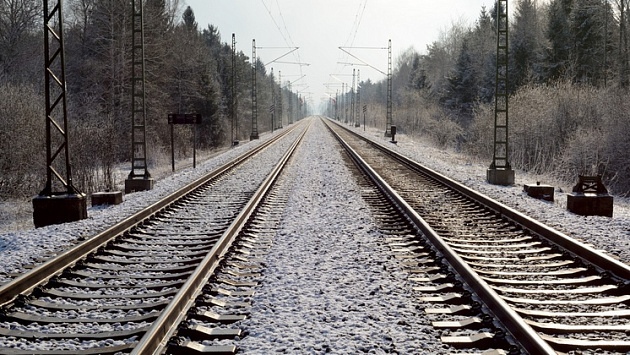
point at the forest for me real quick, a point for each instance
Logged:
(568, 70)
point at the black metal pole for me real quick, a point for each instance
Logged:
(172, 149)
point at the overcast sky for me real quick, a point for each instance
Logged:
(320, 27)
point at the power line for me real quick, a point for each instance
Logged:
(275, 22)
(284, 23)
(354, 30)
(289, 41)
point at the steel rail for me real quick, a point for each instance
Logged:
(25, 283)
(155, 339)
(580, 250)
(522, 332)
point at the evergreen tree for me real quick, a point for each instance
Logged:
(560, 39)
(525, 45)
(587, 27)
(189, 19)
(462, 90)
(418, 76)
(161, 67)
(482, 46)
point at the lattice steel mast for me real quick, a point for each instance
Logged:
(500, 171)
(59, 201)
(336, 107)
(139, 178)
(272, 109)
(352, 96)
(290, 113)
(357, 122)
(280, 99)
(388, 124)
(254, 134)
(55, 87)
(234, 111)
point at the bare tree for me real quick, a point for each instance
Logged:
(18, 25)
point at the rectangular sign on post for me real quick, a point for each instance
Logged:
(184, 118)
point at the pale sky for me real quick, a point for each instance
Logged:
(320, 27)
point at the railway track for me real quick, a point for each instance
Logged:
(214, 322)
(549, 292)
(127, 288)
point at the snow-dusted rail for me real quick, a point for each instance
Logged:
(551, 293)
(138, 277)
(155, 338)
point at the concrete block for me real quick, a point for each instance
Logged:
(503, 177)
(107, 198)
(137, 185)
(539, 191)
(590, 204)
(59, 209)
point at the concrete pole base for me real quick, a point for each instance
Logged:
(137, 185)
(503, 177)
(48, 210)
